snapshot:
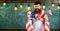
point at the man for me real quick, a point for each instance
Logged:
(39, 18)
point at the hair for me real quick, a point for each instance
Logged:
(37, 2)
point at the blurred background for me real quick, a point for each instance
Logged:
(13, 13)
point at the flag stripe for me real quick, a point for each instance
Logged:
(47, 25)
(46, 28)
(28, 23)
(30, 28)
(39, 15)
(43, 15)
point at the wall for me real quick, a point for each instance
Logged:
(11, 19)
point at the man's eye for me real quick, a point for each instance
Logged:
(37, 6)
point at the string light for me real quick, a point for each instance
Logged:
(4, 4)
(44, 6)
(28, 7)
(34, 6)
(58, 7)
(53, 4)
(21, 6)
(15, 8)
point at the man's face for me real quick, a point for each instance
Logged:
(37, 8)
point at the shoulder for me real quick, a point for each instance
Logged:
(43, 11)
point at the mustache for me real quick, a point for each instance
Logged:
(37, 10)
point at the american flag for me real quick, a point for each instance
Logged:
(42, 16)
(29, 26)
(49, 11)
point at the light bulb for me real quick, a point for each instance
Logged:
(15, 8)
(58, 7)
(21, 6)
(53, 5)
(44, 7)
(4, 3)
(28, 8)
(34, 6)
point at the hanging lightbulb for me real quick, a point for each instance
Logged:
(58, 7)
(28, 7)
(21, 6)
(4, 4)
(34, 6)
(53, 4)
(43, 6)
(15, 8)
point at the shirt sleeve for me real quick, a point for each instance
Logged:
(46, 23)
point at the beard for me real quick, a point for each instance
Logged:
(37, 10)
